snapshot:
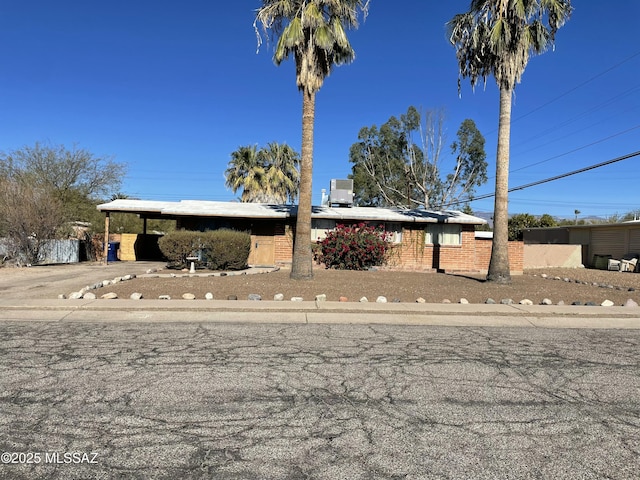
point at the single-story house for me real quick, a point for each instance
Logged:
(607, 240)
(422, 239)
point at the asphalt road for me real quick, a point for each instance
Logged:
(264, 401)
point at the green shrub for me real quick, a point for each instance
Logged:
(219, 249)
(353, 247)
(177, 246)
(227, 249)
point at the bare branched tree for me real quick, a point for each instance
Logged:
(29, 217)
(75, 176)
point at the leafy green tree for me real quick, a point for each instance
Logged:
(267, 175)
(520, 222)
(496, 38)
(470, 169)
(313, 32)
(380, 165)
(546, 221)
(402, 162)
(571, 221)
(74, 177)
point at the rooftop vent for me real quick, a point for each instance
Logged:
(341, 193)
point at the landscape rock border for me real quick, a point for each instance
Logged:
(86, 293)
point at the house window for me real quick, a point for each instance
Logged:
(443, 234)
(394, 230)
(320, 227)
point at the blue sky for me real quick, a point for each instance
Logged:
(172, 88)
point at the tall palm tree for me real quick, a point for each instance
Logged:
(267, 175)
(497, 37)
(313, 32)
(282, 176)
(245, 172)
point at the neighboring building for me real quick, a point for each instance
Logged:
(614, 240)
(423, 240)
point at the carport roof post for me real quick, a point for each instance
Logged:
(105, 248)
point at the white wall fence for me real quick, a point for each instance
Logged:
(546, 256)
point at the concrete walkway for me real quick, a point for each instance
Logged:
(31, 295)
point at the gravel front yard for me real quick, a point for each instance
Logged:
(566, 285)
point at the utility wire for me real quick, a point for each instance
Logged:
(572, 120)
(580, 85)
(575, 172)
(550, 179)
(567, 92)
(577, 149)
(572, 89)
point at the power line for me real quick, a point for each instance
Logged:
(580, 85)
(591, 110)
(571, 120)
(575, 172)
(550, 179)
(573, 89)
(577, 149)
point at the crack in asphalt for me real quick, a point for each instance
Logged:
(231, 401)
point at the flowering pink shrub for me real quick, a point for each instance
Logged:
(353, 247)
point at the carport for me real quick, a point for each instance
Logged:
(145, 209)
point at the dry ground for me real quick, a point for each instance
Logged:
(400, 286)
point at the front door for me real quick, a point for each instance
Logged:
(263, 251)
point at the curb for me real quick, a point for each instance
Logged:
(325, 312)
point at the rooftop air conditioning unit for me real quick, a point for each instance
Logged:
(341, 193)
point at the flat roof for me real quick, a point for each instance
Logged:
(204, 208)
(628, 224)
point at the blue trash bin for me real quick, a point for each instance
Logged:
(112, 251)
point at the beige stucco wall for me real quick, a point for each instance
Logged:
(540, 256)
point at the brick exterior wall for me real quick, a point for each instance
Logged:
(516, 257)
(472, 255)
(283, 243)
(483, 256)
(413, 254)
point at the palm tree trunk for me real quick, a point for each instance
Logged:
(499, 270)
(301, 266)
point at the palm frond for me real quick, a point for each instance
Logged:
(313, 31)
(313, 16)
(496, 37)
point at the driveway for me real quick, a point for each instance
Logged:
(238, 401)
(49, 281)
